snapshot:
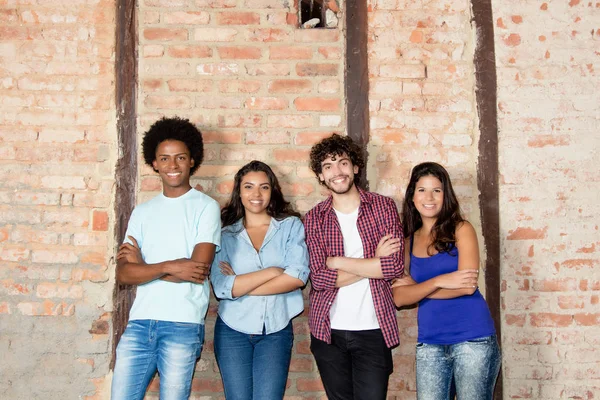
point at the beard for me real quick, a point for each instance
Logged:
(341, 190)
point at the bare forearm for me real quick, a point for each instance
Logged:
(246, 283)
(345, 278)
(281, 284)
(442, 294)
(364, 267)
(411, 294)
(137, 274)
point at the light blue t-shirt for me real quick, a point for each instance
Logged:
(284, 247)
(168, 229)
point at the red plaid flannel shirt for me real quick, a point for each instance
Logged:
(377, 217)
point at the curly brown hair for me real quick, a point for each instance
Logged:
(336, 145)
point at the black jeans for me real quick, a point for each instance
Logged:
(355, 366)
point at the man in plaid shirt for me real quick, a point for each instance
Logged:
(355, 244)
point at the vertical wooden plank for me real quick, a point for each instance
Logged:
(487, 170)
(357, 77)
(126, 171)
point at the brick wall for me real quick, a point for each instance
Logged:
(259, 88)
(56, 176)
(421, 109)
(547, 55)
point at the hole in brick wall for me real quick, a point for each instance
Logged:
(319, 13)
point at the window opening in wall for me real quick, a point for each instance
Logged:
(319, 13)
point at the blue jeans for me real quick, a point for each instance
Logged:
(253, 366)
(148, 345)
(473, 364)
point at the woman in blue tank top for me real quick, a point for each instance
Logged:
(456, 338)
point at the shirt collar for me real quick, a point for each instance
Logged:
(364, 199)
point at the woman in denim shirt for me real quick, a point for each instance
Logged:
(258, 276)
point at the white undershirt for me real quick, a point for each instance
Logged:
(353, 309)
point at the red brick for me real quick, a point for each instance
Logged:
(269, 69)
(239, 52)
(165, 34)
(217, 69)
(238, 18)
(215, 34)
(266, 103)
(46, 308)
(527, 234)
(267, 137)
(239, 86)
(310, 138)
(189, 85)
(317, 35)
(291, 155)
(587, 319)
(267, 35)
(186, 17)
(309, 69)
(297, 189)
(309, 385)
(290, 53)
(239, 121)
(100, 220)
(168, 102)
(317, 104)
(550, 320)
(289, 121)
(290, 86)
(331, 53)
(189, 51)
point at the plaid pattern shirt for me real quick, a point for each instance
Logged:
(377, 217)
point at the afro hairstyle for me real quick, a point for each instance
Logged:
(173, 128)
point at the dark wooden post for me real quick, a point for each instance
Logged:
(357, 77)
(487, 171)
(126, 171)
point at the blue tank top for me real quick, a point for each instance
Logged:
(448, 321)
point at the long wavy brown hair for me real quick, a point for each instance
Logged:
(443, 232)
(278, 208)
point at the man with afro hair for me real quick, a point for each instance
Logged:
(355, 244)
(169, 246)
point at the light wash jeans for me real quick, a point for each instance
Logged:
(473, 364)
(148, 345)
(253, 367)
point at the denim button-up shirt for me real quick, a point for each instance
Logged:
(284, 247)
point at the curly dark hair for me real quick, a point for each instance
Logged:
(443, 231)
(278, 208)
(173, 128)
(336, 145)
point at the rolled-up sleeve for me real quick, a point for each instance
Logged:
(296, 252)
(321, 277)
(222, 284)
(393, 266)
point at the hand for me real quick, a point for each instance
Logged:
(188, 270)
(131, 253)
(387, 246)
(225, 268)
(461, 279)
(406, 280)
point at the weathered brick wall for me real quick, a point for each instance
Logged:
(56, 177)
(259, 88)
(421, 109)
(547, 59)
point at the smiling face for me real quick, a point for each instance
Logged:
(337, 173)
(173, 163)
(429, 197)
(255, 192)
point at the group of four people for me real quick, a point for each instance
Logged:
(259, 255)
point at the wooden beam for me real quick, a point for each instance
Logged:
(126, 171)
(357, 77)
(487, 170)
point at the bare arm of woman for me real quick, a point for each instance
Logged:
(446, 286)
(468, 260)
